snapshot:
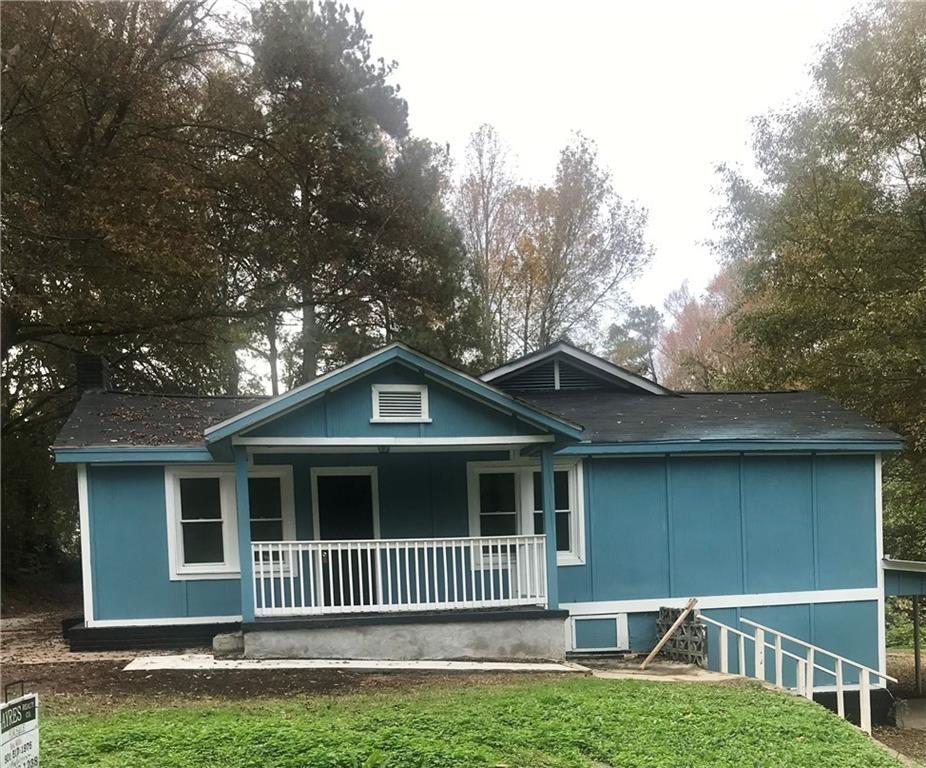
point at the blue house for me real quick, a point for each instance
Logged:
(400, 507)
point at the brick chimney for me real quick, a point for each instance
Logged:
(92, 372)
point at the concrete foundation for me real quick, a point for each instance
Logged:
(501, 638)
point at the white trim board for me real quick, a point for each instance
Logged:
(908, 566)
(651, 605)
(178, 621)
(324, 442)
(879, 551)
(207, 661)
(83, 501)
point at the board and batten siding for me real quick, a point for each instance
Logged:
(696, 526)
(130, 569)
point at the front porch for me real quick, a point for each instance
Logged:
(362, 585)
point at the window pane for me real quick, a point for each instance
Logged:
(200, 498)
(264, 497)
(562, 529)
(499, 525)
(560, 490)
(202, 543)
(562, 532)
(266, 530)
(496, 492)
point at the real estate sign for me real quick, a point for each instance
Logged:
(19, 732)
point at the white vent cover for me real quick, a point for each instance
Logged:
(400, 402)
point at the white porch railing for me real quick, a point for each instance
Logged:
(310, 578)
(804, 661)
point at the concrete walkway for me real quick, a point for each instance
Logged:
(206, 661)
(659, 670)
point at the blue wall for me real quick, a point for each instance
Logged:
(131, 573)
(655, 527)
(685, 526)
(420, 494)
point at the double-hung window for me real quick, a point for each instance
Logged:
(202, 517)
(506, 499)
(202, 538)
(564, 493)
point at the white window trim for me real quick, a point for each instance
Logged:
(621, 632)
(231, 566)
(524, 499)
(425, 411)
(287, 507)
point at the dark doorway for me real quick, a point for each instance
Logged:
(345, 512)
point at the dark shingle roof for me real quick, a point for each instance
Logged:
(124, 418)
(618, 417)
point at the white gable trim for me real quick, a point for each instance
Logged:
(604, 367)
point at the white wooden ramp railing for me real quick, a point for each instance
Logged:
(805, 659)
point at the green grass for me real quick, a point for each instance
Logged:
(574, 722)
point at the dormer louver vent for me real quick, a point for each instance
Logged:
(400, 403)
(552, 374)
(540, 377)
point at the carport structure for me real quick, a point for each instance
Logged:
(907, 578)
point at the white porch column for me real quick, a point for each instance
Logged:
(243, 504)
(549, 523)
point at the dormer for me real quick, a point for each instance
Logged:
(562, 366)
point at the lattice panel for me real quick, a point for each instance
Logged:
(689, 643)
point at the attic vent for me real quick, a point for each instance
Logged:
(400, 402)
(574, 378)
(536, 378)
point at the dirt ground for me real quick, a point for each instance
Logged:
(33, 650)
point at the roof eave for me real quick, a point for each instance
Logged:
(657, 447)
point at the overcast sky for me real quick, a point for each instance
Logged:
(666, 89)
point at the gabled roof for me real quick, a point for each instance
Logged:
(276, 406)
(600, 367)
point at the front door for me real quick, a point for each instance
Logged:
(345, 512)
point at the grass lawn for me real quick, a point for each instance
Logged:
(572, 722)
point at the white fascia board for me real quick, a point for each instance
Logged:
(387, 442)
(890, 564)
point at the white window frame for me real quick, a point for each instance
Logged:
(231, 566)
(425, 417)
(524, 500)
(287, 509)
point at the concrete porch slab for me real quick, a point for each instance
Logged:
(205, 661)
